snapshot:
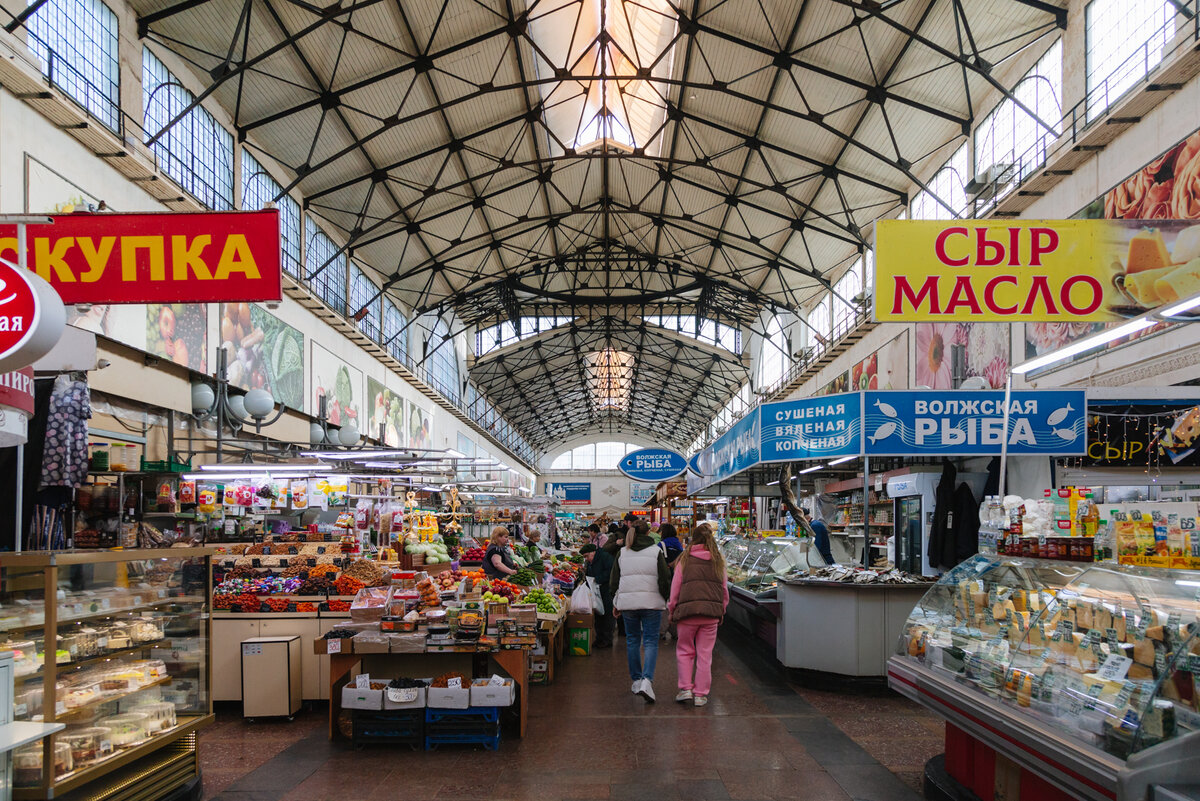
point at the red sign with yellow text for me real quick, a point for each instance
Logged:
(1032, 270)
(155, 258)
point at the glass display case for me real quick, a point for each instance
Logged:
(754, 565)
(1096, 665)
(101, 641)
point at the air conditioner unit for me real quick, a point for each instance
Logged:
(988, 184)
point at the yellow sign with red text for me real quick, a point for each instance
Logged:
(1032, 270)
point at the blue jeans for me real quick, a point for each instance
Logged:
(641, 641)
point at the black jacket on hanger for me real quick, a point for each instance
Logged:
(941, 550)
(965, 526)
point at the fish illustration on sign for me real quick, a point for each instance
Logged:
(1058, 415)
(1067, 434)
(883, 432)
(887, 409)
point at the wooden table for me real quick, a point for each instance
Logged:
(513, 662)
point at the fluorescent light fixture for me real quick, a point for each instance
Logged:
(258, 468)
(453, 454)
(813, 469)
(772, 483)
(277, 475)
(1084, 345)
(1181, 307)
(842, 460)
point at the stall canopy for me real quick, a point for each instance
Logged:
(918, 423)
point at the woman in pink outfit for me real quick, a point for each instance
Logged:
(699, 597)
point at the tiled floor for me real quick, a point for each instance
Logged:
(590, 738)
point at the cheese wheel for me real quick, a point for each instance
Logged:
(1182, 282)
(1187, 245)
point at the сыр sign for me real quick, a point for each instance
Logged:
(155, 258)
(971, 423)
(652, 464)
(1070, 271)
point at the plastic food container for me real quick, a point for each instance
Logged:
(154, 669)
(118, 637)
(27, 763)
(128, 729)
(24, 656)
(88, 745)
(99, 456)
(118, 457)
(145, 629)
(89, 644)
(160, 715)
(81, 694)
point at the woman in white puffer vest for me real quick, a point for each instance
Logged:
(641, 584)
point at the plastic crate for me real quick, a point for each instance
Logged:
(433, 741)
(397, 728)
(165, 466)
(472, 715)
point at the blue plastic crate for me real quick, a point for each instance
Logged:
(475, 714)
(432, 741)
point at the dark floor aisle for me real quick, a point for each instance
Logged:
(590, 738)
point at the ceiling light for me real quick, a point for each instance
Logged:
(843, 459)
(1181, 307)
(1084, 345)
(813, 469)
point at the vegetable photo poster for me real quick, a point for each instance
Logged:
(340, 383)
(420, 426)
(387, 410)
(263, 352)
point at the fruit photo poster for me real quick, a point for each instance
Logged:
(340, 384)
(886, 368)
(420, 426)
(262, 352)
(386, 409)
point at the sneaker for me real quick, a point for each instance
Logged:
(683, 695)
(637, 685)
(646, 690)
(700, 700)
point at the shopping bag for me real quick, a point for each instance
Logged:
(581, 600)
(597, 598)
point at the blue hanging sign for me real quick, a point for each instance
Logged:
(694, 463)
(652, 465)
(812, 428)
(971, 423)
(571, 493)
(734, 451)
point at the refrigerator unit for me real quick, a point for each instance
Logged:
(914, 498)
(271, 685)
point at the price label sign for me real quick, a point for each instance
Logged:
(1115, 668)
(333, 647)
(454, 683)
(362, 681)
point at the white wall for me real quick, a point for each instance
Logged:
(610, 489)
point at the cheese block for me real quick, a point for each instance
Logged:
(1142, 285)
(1181, 282)
(1119, 625)
(1106, 687)
(1084, 615)
(1143, 652)
(1147, 251)
(1139, 672)
(1101, 618)
(1003, 611)
(1020, 600)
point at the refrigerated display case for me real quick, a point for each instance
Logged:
(754, 567)
(1086, 676)
(914, 497)
(101, 642)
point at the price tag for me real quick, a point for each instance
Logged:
(454, 683)
(496, 680)
(1115, 668)
(1093, 694)
(1160, 663)
(1127, 690)
(334, 646)
(1173, 621)
(362, 681)
(1113, 641)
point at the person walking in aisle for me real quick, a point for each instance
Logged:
(599, 567)
(640, 585)
(699, 598)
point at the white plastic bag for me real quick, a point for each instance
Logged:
(581, 600)
(597, 599)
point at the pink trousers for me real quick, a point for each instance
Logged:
(694, 650)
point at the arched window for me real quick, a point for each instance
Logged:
(847, 288)
(774, 358)
(443, 362)
(818, 320)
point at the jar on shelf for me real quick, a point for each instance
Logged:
(99, 457)
(118, 457)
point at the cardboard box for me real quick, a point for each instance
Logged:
(344, 645)
(407, 643)
(371, 642)
(354, 698)
(576, 620)
(448, 697)
(539, 670)
(579, 642)
(524, 613)
(485, 694)
(418, 703)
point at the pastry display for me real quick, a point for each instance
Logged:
(1085, 652)
(87, 744)
(160, 715)
(129, 729)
